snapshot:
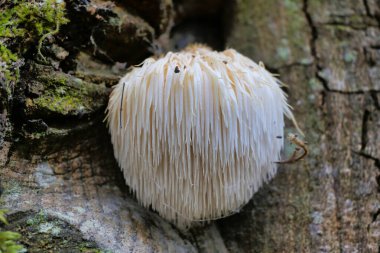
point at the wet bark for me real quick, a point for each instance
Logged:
(58, 173)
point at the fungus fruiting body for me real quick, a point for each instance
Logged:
(196, 132)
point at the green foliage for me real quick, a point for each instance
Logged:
(2, 216)
(22, 24)
(8, 239)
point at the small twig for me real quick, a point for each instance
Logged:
(300, 145)
(41, 40)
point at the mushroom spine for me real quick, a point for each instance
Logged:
(194, 132)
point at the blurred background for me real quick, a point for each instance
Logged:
(58, 177)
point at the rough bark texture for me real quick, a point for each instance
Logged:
(60, 180)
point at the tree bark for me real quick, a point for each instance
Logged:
(60, 180)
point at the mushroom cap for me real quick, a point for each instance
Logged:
(194, 132)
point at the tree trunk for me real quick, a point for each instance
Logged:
(65, 192)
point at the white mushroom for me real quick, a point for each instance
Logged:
(196, 132)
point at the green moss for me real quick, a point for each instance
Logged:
(67, 95)
(51, 132)
(39, 218)
(86, 248)
(57, 103)
(44, 233)
(42, 224)
(24, 24)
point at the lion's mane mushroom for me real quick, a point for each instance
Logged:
(196, 132)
